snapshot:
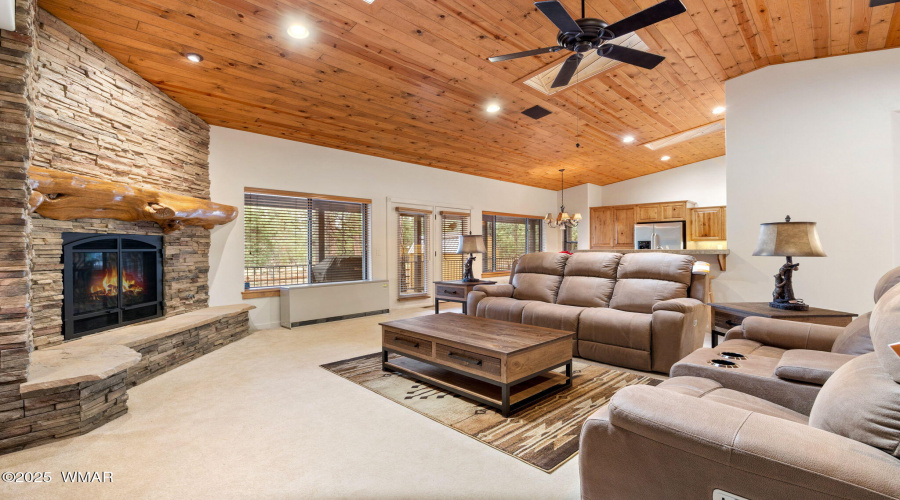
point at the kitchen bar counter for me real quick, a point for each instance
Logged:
(719, 253)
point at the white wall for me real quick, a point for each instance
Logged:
(241, 159)
(896, 188)
(813, 139)
(702, 182)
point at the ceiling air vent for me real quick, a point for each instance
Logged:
(536, 112)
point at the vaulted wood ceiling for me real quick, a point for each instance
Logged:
(409, 79)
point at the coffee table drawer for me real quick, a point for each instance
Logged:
(473, 361)
(406, 343)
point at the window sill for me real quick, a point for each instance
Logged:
(415, 297)
(496, 274)
(259, 293)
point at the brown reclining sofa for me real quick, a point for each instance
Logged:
(640, 310)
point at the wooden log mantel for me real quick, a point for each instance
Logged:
(64, 196)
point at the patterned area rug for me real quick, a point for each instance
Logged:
(544, 435)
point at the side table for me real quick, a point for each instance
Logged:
(727, 315)
(455, 291)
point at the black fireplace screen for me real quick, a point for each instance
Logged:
(110, 280)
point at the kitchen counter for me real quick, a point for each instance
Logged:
(719, 253)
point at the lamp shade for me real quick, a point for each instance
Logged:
(789, 239)
(471, 243)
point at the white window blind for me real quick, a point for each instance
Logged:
(453, 225)
(506, 237)
(413, 250)
(298, 239)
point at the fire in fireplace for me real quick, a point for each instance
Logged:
(110, 280)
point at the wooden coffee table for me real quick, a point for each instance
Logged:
(503, 365)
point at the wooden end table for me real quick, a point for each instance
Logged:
(455, 291)
(503, 365)
(728, 315)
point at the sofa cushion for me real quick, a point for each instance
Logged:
(746, 346)
(533, 286)
(589, 279)
(861, 402)
(855, 338)
(618, 328)
(552, 316)
(644, 279)
(639, 295)
(502, 308)
(542, 263)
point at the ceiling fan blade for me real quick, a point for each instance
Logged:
(647, 17)
(516, 55)
(567, 71)
(879, 3)
(558, 15)
(640, 58)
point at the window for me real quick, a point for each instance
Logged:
(571, 239)
(412, 251)
(506, 237)
(453, 225)
(297, 238)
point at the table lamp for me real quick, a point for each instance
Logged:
(788, 239)
(470, 244)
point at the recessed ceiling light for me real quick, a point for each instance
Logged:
(718, 110)
(628, 139)
(298, 31)
(193, 57)
(492, 107)
(666, 158)
(369, 1)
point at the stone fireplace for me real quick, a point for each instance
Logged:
(110, 280)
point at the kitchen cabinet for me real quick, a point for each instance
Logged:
(612, 227)
(649, 212)
(673, 211)
(707, 223)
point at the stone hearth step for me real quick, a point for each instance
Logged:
(69, 365)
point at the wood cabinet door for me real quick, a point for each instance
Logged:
(602, 227)
(625, 227)
(673, 211)
(708, 223)
(646, 213)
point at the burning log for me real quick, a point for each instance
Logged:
(64, 196)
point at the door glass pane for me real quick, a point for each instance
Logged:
(138, 278)
(95, 281)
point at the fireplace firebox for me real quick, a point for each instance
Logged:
(110, 280)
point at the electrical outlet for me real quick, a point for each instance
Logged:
(724, 495)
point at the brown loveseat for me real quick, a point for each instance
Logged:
(690, 436)
(786, 361)
(639, 311)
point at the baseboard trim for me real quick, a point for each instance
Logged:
(338, 318)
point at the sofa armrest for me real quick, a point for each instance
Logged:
(814, 367)
(707, 445)
(472, 301)
(501, 290)
(790, 334)
(734, 333)
(677, 329)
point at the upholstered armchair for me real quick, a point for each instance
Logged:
(690, 436)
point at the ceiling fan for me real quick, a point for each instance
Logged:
(588, 34)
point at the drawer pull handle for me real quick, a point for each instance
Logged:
(732, 322)
(464, 359)
(414, 345)
(451, 292)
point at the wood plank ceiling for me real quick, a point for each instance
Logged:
(409, 79)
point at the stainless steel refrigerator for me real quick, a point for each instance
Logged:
(659, 235)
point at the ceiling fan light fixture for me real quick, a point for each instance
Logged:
(628, 139)
(666, 158)
(193, 57)
(298, 31)
(492, 107)
(718, 110)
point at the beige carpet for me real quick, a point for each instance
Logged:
(544, 435)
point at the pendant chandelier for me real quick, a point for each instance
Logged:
(562, 219)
